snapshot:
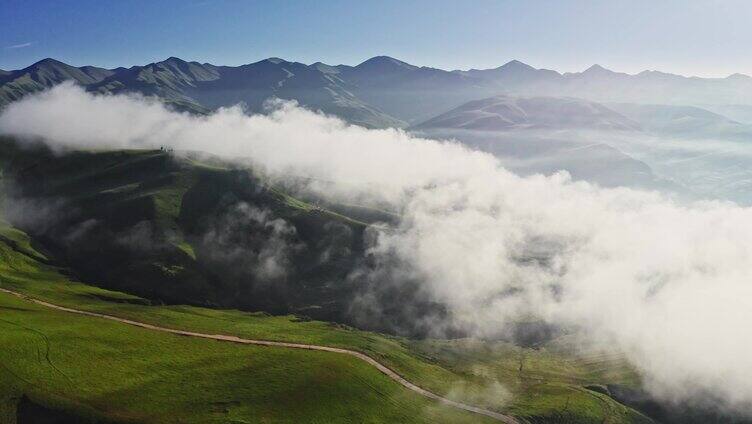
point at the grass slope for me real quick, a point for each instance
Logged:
(137, 221)
(102, 370)
(454, 368)
(93, 370)
(539, 385)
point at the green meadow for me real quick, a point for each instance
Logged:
(89, 369)
(107, 371)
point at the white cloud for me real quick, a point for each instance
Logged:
(670, 284)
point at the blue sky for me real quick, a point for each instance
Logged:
(691, 37)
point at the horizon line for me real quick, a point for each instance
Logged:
(595, 66)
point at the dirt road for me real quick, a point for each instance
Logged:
(381, 367)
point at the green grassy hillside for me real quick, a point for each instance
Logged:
(97, 370)
(82, 369)
(120, 373)
(186, 229)
(550, 390)
(174, 230)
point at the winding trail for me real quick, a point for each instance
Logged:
(233, 339)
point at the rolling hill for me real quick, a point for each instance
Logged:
(540, 113)
(684, 121)
(155, 377)
(143, 376)
(171, 229)
(534, 135)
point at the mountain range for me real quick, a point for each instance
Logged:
(597, 124)
(380, 92)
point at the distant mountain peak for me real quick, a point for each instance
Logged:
(173, 59)
(323, 67)
(384, 62)
(516, 64)
(656, 75)
(48, 61)
(597, 69)
(269, 60)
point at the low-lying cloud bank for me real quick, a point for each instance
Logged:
(669, 284)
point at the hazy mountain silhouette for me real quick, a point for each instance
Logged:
(533, 135)
(684, 121)
(380, 92)
(507, 112)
